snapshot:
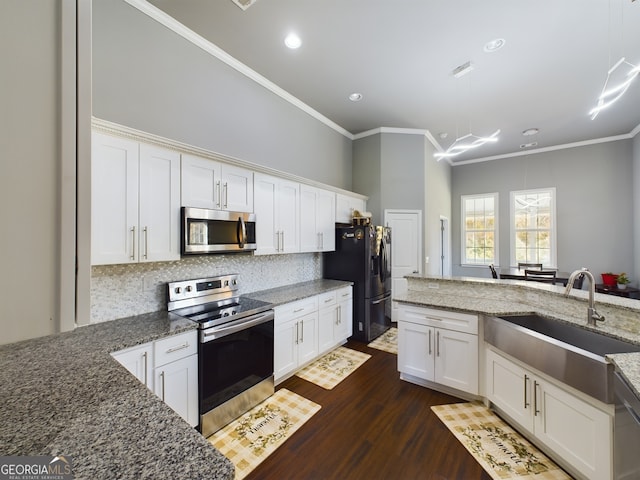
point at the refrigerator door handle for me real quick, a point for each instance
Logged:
(386, 297)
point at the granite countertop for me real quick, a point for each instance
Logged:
(628, 364)
(64, 394)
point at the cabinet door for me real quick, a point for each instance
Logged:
(456, 360)
(159, 224)
(139, 362)
(267, 237)
(345, 205)
(327, 319)
(344, 325)
(415, 350)
(114, 200)
(176, 384)
(510, 387)
(201, 184)
(326, 220)
(237, 189)
(574, 430)
(309, 234)
(285, 355)
(307, 338)
(287, 216)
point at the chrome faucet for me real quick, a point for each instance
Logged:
(592, 314)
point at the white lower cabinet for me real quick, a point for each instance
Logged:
(169, 368)
(575, 431)
(335, 322)
(295, 336)
(438, 346)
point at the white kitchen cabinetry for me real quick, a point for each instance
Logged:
(296, 336)
(175, 374)
(135, 195)
(335, 322)
(139, 361)
(345, 205)
(438, 346)
(219, 186)
(574, 430)
(169, 368)
(317, 219)
(277, 212)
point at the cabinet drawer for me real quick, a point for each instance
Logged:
(327, 299)
(296, 309)
(460, 322)
(344, 293)
(175, 347)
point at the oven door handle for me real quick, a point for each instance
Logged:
(234, 327)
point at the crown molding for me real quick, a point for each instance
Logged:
(172, 24)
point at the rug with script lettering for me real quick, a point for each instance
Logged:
(248, 440)
(387, 342)
(502, 452)
(333, 367)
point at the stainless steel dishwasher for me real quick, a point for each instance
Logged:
(626, 432)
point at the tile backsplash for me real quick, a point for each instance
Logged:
(124, 290)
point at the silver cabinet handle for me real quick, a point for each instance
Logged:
(429, 342)
(145, 230)
(226, 194)
(144, 358)
(133, 243)
(328, 300)
(218, 194)
(298, 310)
(535, 398)
(339, 314)
(438, 343)
(297, 333)
(301, 331)
(162, 378)
(179, 347)
(526, 380)
(321, 240)
(282, 234)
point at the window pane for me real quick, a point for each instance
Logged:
(533, 227)
(479, 214)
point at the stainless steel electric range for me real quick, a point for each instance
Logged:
(235, 348)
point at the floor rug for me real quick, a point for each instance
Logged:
(501, 451)
(387, 342)
(330, 369)
(248, 440)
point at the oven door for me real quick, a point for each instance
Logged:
(217, 231)
(235, 371)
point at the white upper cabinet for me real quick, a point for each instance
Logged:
(210, 184)
(135, 194)
(277, 215)
(345, 206)
(317, 219)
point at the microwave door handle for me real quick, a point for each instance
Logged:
(242, 238)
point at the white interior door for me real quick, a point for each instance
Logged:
(406, 247)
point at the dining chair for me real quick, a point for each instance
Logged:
(494, 274)
(529, 265)
(545, 276)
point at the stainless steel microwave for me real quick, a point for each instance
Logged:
(216, 231)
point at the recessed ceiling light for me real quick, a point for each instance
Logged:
(530, 131)
(355, 97)
(292, 41)
(493, 45)
(529, 145)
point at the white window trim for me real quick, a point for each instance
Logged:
(554, 222)
(463, 230)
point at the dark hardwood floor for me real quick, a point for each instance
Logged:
(371, 426)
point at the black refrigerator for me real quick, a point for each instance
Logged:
(363, 256)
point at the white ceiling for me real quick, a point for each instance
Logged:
(400, 54)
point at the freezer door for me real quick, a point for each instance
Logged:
(374, 319)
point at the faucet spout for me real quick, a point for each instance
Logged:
(592, 314)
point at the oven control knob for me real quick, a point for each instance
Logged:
(225, 314)
(233, 312)
(188, 288)
(178, 290)
(234, 281)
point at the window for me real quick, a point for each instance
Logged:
(533, 231)
(479, 229)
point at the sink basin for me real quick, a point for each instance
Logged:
(566, 352)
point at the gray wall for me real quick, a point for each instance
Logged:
(367, 165)
(30, 168)
(147, 77)
(594, 203)
(636, 203)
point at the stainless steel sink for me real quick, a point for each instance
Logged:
(566, 352)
